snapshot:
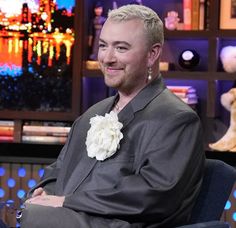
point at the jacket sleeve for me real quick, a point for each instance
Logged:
(51, 172)
(166, 181)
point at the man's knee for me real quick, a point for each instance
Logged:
(36, 216)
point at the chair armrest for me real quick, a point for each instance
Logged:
(212, 224)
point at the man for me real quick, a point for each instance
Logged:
(142, 168)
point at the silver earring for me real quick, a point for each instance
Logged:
(149, 73)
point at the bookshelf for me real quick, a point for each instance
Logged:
(208, 77)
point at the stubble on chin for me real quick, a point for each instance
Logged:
(111, 82)
(108, 81)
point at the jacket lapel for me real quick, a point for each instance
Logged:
(143, 98)
(84, 164)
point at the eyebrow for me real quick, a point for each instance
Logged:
(117, 42)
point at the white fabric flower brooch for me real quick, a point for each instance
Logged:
(104, 135)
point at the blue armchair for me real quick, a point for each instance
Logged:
(218, 181)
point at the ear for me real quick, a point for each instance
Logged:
(154, 54)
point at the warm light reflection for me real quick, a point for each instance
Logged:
(30, 49)
(51, 54)
(13, 47)
(10, 55)
(38, 48)
(17, 45)
(68, 50)
(10, 46)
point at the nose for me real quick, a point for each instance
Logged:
(108, 55)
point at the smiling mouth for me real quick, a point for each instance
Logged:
(113, 69)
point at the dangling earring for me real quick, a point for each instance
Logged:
(149, 73)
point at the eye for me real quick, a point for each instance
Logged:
(121, 48)
(101, 45)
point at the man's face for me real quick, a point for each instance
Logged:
(123, 55)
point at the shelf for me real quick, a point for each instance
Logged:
(190, 34)
(198, 34)
(188, 75)
(38, 115)
(226, 34)
(10, 150)
(208, 76)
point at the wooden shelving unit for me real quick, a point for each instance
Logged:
(209, 76)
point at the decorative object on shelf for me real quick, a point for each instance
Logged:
(95, 30)
(228, 58)
(228, 141)
(92, 65)
(202, 14)
(228, 14)
(187, 15)
(195, 13)
(138, 2)
(186, 93)
(164, 66)
(46, 134)
(189, 59)
(6, 131)
(172, 20)
(114, 5)
(104, 135)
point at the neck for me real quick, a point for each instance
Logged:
(120, 104)
(122, 101)
(125, 98)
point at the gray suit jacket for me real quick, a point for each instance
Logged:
(151, 181)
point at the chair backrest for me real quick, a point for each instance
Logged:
(218, 181)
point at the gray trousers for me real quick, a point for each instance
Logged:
(36, 216)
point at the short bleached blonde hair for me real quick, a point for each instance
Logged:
(152, 23)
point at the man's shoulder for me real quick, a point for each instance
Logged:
(168, 99)
(167, 105)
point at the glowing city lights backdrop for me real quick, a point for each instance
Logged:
(36, 42)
